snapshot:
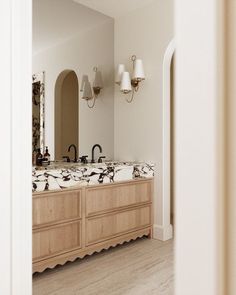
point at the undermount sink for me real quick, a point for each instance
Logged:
(63, 164)
(67, 165)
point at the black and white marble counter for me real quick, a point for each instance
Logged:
(64, 175)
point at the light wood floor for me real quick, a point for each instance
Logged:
(141, 267)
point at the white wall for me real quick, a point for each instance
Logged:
(5, 128)
(55, 21)
(94, 47)
(199, 169)
(145, 32)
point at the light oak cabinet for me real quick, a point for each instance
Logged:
(56, 240)
(56, 207)
(114, 224)
(73, 223)
(108, 198)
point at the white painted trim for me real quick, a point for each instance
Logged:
(15, 149)
(166, 137)
(162, 233)
(5, 147)
(21, 147)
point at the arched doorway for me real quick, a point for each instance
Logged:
(66, 113)
(167, 138)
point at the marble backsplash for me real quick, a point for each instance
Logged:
(62, 175)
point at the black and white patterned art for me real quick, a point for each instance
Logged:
(38, 98)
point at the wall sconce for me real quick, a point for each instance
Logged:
(88, 93)
(123, 79)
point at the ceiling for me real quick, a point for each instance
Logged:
(54, 21)
(114, 8)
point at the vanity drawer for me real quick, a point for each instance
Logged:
(114, 224)
(112, 197)
(56, 207)
(56, 240)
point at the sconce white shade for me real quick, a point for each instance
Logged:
(84, 80)
(125, 85)
(138, 73)
(119, 73)
(87, 91)
(98, 82)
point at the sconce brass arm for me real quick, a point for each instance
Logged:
(132, 97)
(134, 82)
(93, 104)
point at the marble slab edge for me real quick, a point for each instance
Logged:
(59, 178)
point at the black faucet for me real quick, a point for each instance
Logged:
(75, 149)
(100, 149)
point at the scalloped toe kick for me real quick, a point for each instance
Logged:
(72, 256)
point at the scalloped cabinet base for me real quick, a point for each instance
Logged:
(73, 223)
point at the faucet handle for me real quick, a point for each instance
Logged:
(83, 159)
(66, 159)
(100, 159)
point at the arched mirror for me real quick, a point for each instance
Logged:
(66, 114)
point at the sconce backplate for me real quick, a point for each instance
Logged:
(134, 83)
(96, 90)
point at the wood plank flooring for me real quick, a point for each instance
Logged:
(141, 267)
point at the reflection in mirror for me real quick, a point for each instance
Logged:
(38, 112)
(66, 114)
(69, 39)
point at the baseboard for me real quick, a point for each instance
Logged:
(162, 233)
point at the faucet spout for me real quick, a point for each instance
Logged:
(75, 150)
(93, 149)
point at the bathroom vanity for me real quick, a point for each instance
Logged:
(94, 207)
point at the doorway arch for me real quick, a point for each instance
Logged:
(167, 228)
(66, 113)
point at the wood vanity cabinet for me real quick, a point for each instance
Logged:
(72, 223)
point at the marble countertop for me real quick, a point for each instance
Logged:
(61, 175)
